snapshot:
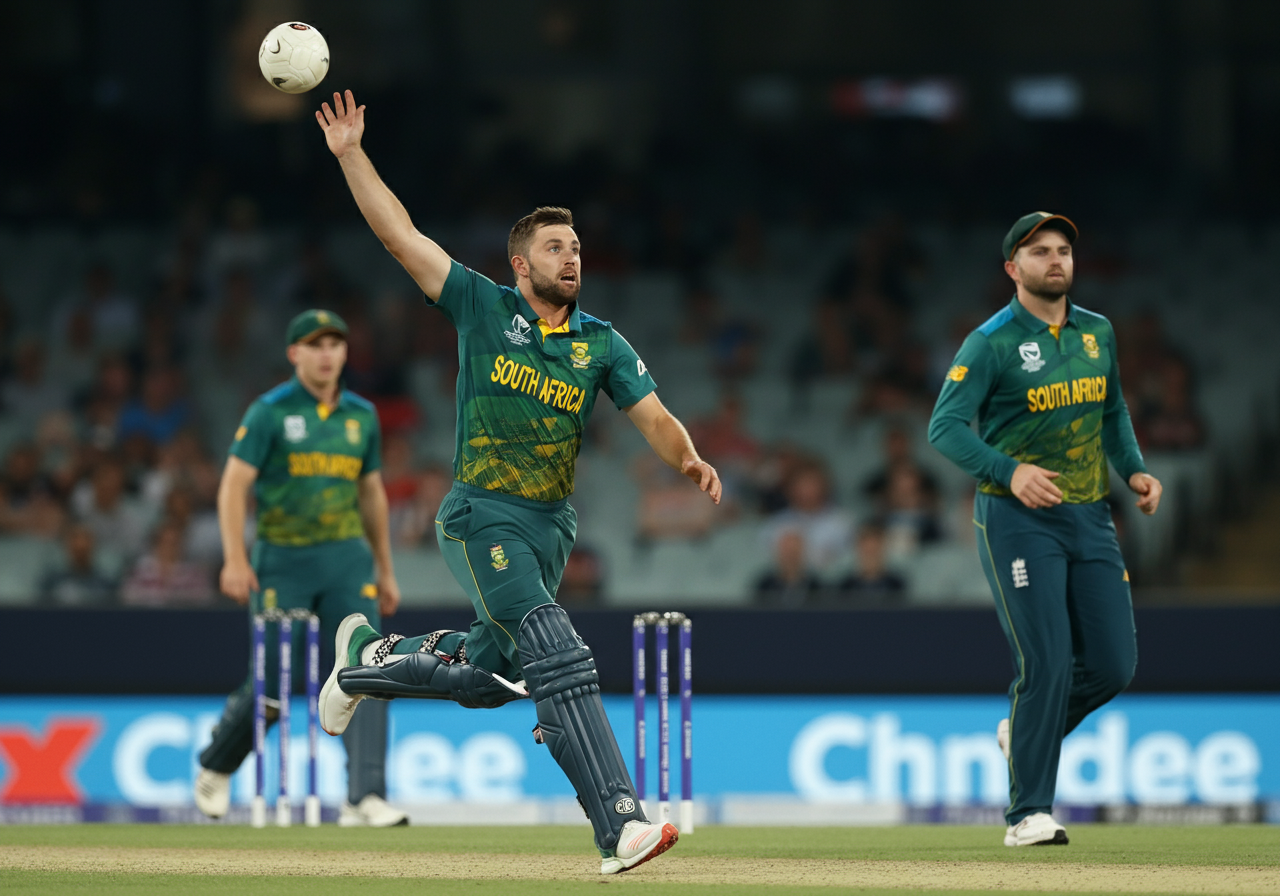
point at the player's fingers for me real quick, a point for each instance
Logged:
(351, 100)
(337, 104)
(1049, 473)
(320, 120)
(1047, 486)
(328, 113)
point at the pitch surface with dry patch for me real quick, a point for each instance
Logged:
(221, 859)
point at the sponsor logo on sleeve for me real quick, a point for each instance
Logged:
(957, 373)
(1031, 360)
(641, 370)
(241, 433)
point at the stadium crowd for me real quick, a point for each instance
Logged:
(118, 407)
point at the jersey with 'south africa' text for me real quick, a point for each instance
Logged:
(525, 391)
(1044, 396)
(309, 459)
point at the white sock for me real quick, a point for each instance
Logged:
(367, 652)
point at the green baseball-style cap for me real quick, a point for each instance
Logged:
(1026, 226)
(312, 323)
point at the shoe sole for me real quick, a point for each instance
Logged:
(341, 641)
(1059, 839)
(224, 801)
(668, 839)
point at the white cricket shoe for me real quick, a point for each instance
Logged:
(213, 792)
(638, 842)
(1002, 737)
(371, 812)
(337, 706)
(1036, 830)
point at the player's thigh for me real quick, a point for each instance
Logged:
(502, 575)
(1100, 602)
(560, 537)
(1025, 559)
(284, 584)
(346, 584)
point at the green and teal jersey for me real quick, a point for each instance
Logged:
(1042, 396)
(309, 458)
(525, 391)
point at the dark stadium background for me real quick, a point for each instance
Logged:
(747, 176)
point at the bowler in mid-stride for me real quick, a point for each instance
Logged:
(531, 364)
(1042, 378)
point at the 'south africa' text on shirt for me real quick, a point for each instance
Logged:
(1060, 395)
(523, 378)
(317, 463)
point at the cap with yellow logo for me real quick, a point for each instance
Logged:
(1028, 225)
(314, 323)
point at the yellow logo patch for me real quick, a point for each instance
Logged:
(1090, 345)
(322, 317)
(269, 599)
(579, 355)
(353, 431)
(957, 373)
(370, 591)
(500, 561)
(242, 432)
(1126, 575)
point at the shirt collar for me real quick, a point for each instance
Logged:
(1035, 324)
(302, 390)
(530, 316)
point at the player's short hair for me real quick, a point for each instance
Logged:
(526, 227)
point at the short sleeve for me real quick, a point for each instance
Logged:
(252, 442)
(628, 380)
(467, 297)
(373, 447)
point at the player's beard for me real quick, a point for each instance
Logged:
(1046, 289)
(553, 291)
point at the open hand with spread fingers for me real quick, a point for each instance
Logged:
(343, 123)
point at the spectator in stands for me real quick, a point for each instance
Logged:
(730, 340)
(790, 583)
(202, 540)
(668, 507)
(909, 513)
(31, 392)
(27, 503)
(825, 528)
(582, 583)
(113, 314)
(873, 582)
(74, 355)
(118, 522)
(77, 582)
(827, 350)
(61, 454)
(1170, 422)
(106, 400)
(897, 453)
(160, 412)
(164, 577)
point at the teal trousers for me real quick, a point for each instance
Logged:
(1062, 595)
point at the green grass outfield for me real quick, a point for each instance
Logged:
(220, 859)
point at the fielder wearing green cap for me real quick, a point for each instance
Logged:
(311, 452)
(1042, 378)
(531, 364)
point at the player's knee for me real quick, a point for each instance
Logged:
(1113, 675)
(552, 656)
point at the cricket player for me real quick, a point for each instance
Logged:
(1042, 378)
(311, 452)
(530, 365)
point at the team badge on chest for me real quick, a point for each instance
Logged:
(500, 561)
(353, 431)
(579, 355)
(1090, 345)
(295, 428)
(1031, 360)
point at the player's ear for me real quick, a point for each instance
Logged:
(292, 354)
(520, 266)
(1011, 268)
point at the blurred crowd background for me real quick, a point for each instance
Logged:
(795, 219)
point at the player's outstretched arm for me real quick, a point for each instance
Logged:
(426, 262)
(670, 441)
